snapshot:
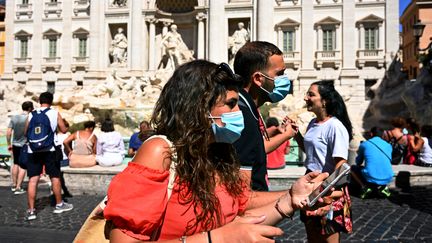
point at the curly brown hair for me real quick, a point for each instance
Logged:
(182, 114)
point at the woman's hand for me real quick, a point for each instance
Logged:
(319, 212)
(246, 229)
(301, 189)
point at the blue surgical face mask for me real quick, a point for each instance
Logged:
(282, 85)
(234, 125)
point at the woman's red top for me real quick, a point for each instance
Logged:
(137, 197)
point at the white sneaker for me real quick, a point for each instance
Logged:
(63, 208)
(19, 191)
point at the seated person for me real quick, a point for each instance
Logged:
(83, 153)
(137, 138)
(276, 158)
(424, 146)
(110, 146)
(377, 171)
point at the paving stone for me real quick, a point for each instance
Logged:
(402, 218)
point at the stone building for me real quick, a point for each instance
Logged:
(58, 44)
(417, 10)
(2, 36)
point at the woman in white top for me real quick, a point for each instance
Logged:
(110, 147)
(326, 144)
(424, 146)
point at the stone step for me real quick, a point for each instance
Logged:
(95, 180)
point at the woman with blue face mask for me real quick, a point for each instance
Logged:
(196, 119)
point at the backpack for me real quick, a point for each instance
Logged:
(399, 151)
(39, 133)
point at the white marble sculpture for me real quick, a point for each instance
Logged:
(237, 40)
(118, 3)
(174, 50)
(118, 49)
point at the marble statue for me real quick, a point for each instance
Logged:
(237, 40)
(175, 52)
(118, 3)
(118, 48)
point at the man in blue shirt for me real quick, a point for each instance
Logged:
(377, 171)
(136, 139)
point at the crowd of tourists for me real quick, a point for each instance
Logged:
(41, 144)
(199, 166)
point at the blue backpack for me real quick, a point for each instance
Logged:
(39, 133)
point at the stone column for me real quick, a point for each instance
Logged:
(362, 37)
(381, 36)
(95, 38)
(201, 39)
(217, 32)
(391, 26)
(152, 35)
(280, 38)
(297, 39)
(135, 60)
(265, 17)
(67, 53)
(348, 24)
(9, 54)
(319, 38)
(338, 46)
(307, 34)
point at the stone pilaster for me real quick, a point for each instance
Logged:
(152, 45)
(201, 35)
(265, 27)
(218, 32)
(136, 41)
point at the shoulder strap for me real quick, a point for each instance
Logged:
(380, 150)
(45, 110)
(399, 138)
(172, 175)
(91, 135)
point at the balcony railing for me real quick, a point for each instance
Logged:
(376, 57)
(291, 55)
(80, 63)
(22, 60)
(292, 58)
(51, 63)
(24, 9)
(81, 6)
(329, 57)
(52, 59)
(53, 8)
(22, 64)
(80, 59)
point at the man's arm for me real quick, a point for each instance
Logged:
(62, 127)
(9, 138)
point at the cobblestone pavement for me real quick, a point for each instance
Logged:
(405, 217)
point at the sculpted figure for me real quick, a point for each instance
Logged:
(118, 3)
(238, 39)
(175, 50)
(119, 47)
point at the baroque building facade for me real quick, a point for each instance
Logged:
(58, 44)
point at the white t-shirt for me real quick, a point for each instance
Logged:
(52, 116)
(323, 142)
(425, 154)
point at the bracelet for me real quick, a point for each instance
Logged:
(284, 215)
(209, 237)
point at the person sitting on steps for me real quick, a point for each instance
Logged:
(377, 171)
